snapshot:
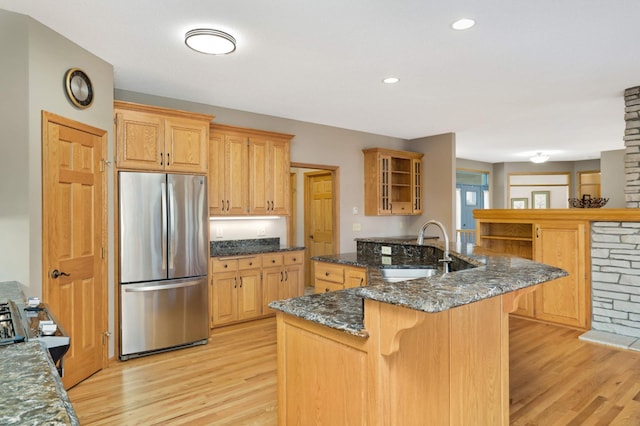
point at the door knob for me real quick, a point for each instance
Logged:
(55, 274)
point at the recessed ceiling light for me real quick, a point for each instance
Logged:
(209, 41)
(463, 24)
(391, 80)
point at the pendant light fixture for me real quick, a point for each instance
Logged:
(210, 41)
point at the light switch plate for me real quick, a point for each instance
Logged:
(385, 250)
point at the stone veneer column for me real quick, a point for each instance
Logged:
(632, 146)
(615, 277)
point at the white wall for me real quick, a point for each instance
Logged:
(613, 178)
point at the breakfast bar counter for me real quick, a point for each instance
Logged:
(424, 351)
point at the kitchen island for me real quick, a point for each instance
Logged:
(426, 351)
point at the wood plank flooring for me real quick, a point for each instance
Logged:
(556, 379)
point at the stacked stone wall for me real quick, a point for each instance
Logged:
(615, 277)
(632, 147)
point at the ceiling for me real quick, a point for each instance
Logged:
(531, 76)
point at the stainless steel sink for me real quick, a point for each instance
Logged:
(404, 274)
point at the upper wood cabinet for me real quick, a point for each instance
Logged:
(228, 177)
(392, 182)
(153, 138)
(248, 172)
(268, 176)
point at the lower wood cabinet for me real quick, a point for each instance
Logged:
(549, 237)
(283, 277)
(242, 287)
(235, 290)
(335, 276)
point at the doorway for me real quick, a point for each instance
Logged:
(316, 212)
(74, 220)
(472, 192)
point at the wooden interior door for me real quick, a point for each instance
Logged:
(318, 217)
(74, 240)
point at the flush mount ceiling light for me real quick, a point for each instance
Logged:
(391, 80)
(209, 41)
(463, 24)
(539, 158)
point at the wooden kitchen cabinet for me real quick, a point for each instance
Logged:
(283, 277)
(249, 172)
(228, 177)
(235, 289)
(393, 182)
(551, 237)
(161, 139)
(335, 276)
(268, 176)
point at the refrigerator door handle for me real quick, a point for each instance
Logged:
(172, 226)
(164, 224)
(160, 287)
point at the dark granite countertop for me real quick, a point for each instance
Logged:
(486, 276)
(248, 247)
(30, 387)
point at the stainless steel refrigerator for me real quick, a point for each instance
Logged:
(164, 251)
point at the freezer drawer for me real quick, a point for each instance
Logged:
(159, 315)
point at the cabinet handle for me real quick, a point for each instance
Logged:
(537, 232)
(273, 261)
(281, 276)
(161, 159)
(295, 258)
(235, 281)
(250, 263)
(227, 205)
(326, 290)
(222, 205)
(361, 281)
(286, 275)
(226, 266)
(168, 162)
(326, 274)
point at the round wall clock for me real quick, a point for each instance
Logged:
(79, 88)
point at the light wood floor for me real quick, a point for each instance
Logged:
(555, 380)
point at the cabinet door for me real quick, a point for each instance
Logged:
(259, 176)
(416, 172)
(384, 182)
(278, 191)
(139, 141)
(562, 300)
(249, 292)
(236, 175)
(216, 174)
(224, 306)
(186, 145)
(294, 282)
(272, 280)
(355, 277)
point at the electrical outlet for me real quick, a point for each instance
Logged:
(262, 231)
(219, 231)
(356, 227)
(385, 250)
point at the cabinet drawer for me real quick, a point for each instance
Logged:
(294, 258)
(326, 286)
(221, 265)
(329, 272)
(272, 259)
(249, 262)
(401, 208)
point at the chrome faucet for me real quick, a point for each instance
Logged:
(446, 259)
